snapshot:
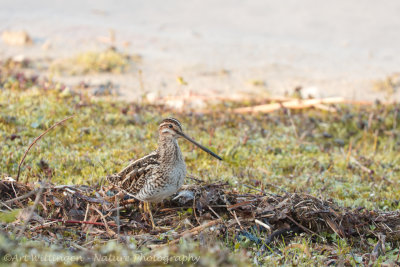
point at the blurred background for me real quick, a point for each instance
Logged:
(327, 48)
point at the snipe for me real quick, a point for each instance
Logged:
(161, 173)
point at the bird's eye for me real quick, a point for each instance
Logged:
(170, 126)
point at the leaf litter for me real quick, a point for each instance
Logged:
(86, 210)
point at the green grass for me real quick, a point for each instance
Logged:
(307, 151)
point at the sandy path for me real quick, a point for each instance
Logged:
(335, 48)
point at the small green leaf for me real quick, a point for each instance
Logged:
(9, 216)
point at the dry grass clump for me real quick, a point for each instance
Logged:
(109, 60)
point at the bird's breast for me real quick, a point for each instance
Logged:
(166, 182)
(177, 175)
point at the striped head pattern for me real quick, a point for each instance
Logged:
(170, 126)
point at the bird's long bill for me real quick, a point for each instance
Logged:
(202, 147)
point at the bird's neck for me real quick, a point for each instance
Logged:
(169, 150)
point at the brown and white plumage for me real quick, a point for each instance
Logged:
(161, 173)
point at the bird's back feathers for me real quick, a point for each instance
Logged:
(133, 176)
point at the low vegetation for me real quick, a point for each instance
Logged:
(109, 60)
(349, 157)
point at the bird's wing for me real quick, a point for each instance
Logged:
(133, 176)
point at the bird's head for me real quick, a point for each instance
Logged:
(172, 128)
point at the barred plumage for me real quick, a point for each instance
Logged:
(161, 173)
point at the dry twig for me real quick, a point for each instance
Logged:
(292, 104)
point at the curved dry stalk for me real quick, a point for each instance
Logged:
(37, 139)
